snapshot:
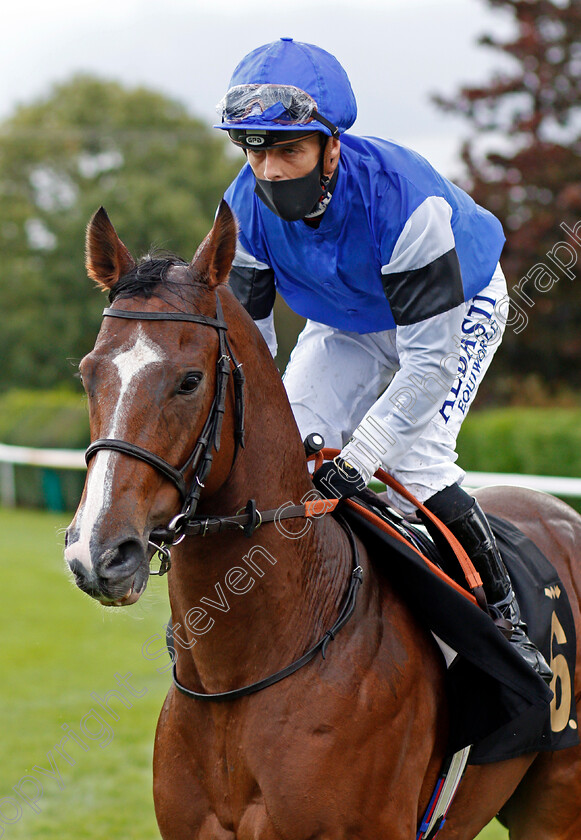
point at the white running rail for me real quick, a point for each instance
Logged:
(68, 459)
(74, 459)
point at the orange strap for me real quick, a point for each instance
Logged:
(317, 507)
(472, 577)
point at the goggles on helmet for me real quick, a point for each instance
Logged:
(269, 103)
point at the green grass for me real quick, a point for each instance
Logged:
(493, 831)
(57, 647)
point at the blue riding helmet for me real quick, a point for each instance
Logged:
(288, 86)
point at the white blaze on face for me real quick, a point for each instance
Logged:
(132, 366)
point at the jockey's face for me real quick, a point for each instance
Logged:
(293, 160)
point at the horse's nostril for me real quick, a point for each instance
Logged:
(78, 570)
(122, 560)
(71, 535)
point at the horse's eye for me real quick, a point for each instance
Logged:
(189, 383)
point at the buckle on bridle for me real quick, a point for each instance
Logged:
(176, 527)
(164, 555)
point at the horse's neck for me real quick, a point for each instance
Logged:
(262, 601)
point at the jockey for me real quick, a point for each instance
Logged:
(396, 270)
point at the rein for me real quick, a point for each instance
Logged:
(346, 612)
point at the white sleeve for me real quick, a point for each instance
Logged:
(244, 259)
(429, 361)
(266, 327)
(423, 277)
(425, 237)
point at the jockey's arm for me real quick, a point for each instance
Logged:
(429, 356)
(423, 284)
(253, 284)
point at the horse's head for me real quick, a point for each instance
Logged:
(153, 380)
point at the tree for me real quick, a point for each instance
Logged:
(524, 164)
(158, 171)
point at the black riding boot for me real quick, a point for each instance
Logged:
(472, 530)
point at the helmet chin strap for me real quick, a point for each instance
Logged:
(327, 181)
(327, 187)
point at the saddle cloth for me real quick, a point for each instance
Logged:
(497, 703)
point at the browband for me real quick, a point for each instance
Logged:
(165, 316)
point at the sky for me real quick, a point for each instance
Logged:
(396, 53)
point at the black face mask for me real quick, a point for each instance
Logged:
(292, 199)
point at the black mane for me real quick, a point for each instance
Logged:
(142, 280)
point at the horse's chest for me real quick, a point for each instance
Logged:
(254, 825)
(261, 787)
(284, 765)
(295, 779)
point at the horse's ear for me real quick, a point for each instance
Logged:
(213, 259)
(106, 257)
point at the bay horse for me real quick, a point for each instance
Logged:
(350, 746)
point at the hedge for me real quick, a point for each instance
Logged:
(44, 419)
(533, 441)
(537, 441)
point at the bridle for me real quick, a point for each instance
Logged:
(186, 523)
(200, 460)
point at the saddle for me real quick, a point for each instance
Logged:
(497, 703)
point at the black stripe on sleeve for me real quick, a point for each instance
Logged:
(423, 292)
(255, 289)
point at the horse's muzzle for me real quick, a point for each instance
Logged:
(117, 575)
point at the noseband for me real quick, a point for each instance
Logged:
(200, 460)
